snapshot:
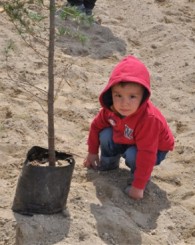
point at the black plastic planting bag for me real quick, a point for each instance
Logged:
(43, 190)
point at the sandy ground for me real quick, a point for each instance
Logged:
(162, 34)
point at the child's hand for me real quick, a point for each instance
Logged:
(91, 161)
(135, 193)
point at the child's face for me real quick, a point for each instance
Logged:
(127, 98)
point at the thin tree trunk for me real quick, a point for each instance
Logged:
(51, 131)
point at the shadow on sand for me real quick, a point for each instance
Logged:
(120, 218)
(92, 40)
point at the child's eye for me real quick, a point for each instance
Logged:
(132, 96)
(117, 95)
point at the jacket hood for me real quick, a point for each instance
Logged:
(129, 69)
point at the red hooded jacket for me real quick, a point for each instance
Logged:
(147, 127)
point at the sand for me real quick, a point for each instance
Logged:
(162, 35)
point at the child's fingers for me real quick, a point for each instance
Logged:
(86, 163)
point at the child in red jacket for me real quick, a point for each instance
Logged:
(129, 126)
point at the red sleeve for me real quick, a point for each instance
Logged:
(147, 138)
(99, 122)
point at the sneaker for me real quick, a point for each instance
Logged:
(127, 189)
(106, 167)
(80, 8)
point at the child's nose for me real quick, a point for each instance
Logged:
(125, 101)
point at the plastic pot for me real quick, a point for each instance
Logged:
(43, 189)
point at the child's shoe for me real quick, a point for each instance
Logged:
(106, 166)
(127, 189)
(80, 8)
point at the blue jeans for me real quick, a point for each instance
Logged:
(111, 152)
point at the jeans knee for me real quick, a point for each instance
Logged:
(130, 157)
(161, 155)
(105, 136)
